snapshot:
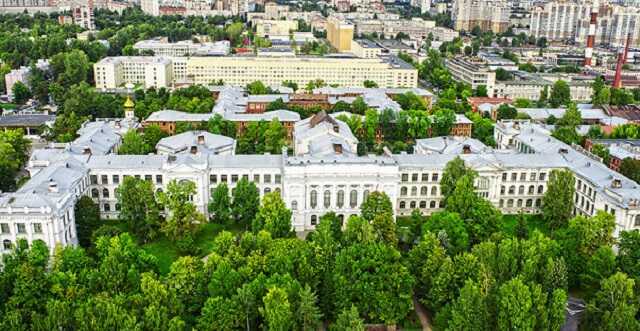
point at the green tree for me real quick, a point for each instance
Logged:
(453, 171)
(506, 112)
(183, 218)
(631, 168)
(376, 203)
(152, 135)
(258, 87)
(385, 228)
(134, 143)
(443, 122)
(220, 204)
(87, 216)
(372, 277)
(560, 94)
(138, 207)
(277, 310)
(273, 216)
(308, 315)
(348, 320)
(450, 229)
(557, 202)
(514, 306)
(629, 253)
(370, 84)
(615, 306)
(503, 75)
(275, 137)
(21, 93)
(469, 312)
(481, 91)
(246, 202)
(599, 267)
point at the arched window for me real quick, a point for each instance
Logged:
(402, 204)
(105, 193)
(340, 200)
(6, 244)
(414, 191)
(532, 189)
(107, 207)
(637, 221)
(95, 193)
(432, 204)
(521, 189)
(529, 203)
(314, 219)
(540, 189)
(267, 190)
(327, 199)
(294, 205)
(365, 194)
(423, 204)
(403, 191)
(412, 204)
(314, 199)
(353, 198)
(510, 203)
(424, 191)
(341, 218)
(512, 189)
(434, 191)
(277, 189)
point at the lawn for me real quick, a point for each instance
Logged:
(165, 250)
(534, 222)
(8, 106)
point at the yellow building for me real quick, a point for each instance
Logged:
(339, 34)
(266, 28)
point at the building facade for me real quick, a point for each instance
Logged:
(489, 15)
(339, 34)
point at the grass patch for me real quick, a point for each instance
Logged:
(534, 222)
(166, 250)
(8, 106)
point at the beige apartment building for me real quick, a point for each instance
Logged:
(266, 28)
(388, 72)
(339, 34)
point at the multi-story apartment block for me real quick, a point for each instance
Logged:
(558, 20)
(366, 48)
(22, 75)
(339, 34)
(113, 72)
(489, 15)
(472, 72)
(82, 15)
(267, 28)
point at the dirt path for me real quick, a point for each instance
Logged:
(422, 315)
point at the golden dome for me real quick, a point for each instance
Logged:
(129, 103)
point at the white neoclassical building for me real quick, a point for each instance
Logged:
(513, 177)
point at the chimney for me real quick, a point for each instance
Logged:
(86, 151)
(201, 139)
(616, 183)
(591, 38)
(172, 158)
(622, 57)
(194, 150)
(53, 186)
(336, 128)
(466, 149)
(337, 148)
(563, 151)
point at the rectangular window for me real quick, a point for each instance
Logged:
(523, 176)
(223, 178)
(434, 178)
(234, 178)
(213, 179)
(278, 179)
(245, 177)
(21, 228)
(148, 177)
(115, 179)
(514, 176)
(414, 177)
(37, 228)
(4, 228)
(104, 179)
(504, 176)
(533, 176)
(425, 177)
(94, 180)
(405, 177)
(137, 176)
(543, 176)
(159, 179)
(256, 179)
(267, 179)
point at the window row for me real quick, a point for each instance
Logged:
(424, 191)
(340, 199)
(20, 228)
(115, 179)
(521, 189)
(424, 177)
(519, 203)
(523, 176)
(266, 178)
(586, 189)
(422, 204)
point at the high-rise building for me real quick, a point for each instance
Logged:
(82, 15)
(151, 7)
(339, 34)
(489, 15)
(559, 20)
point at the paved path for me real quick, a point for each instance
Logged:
(422, 315)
